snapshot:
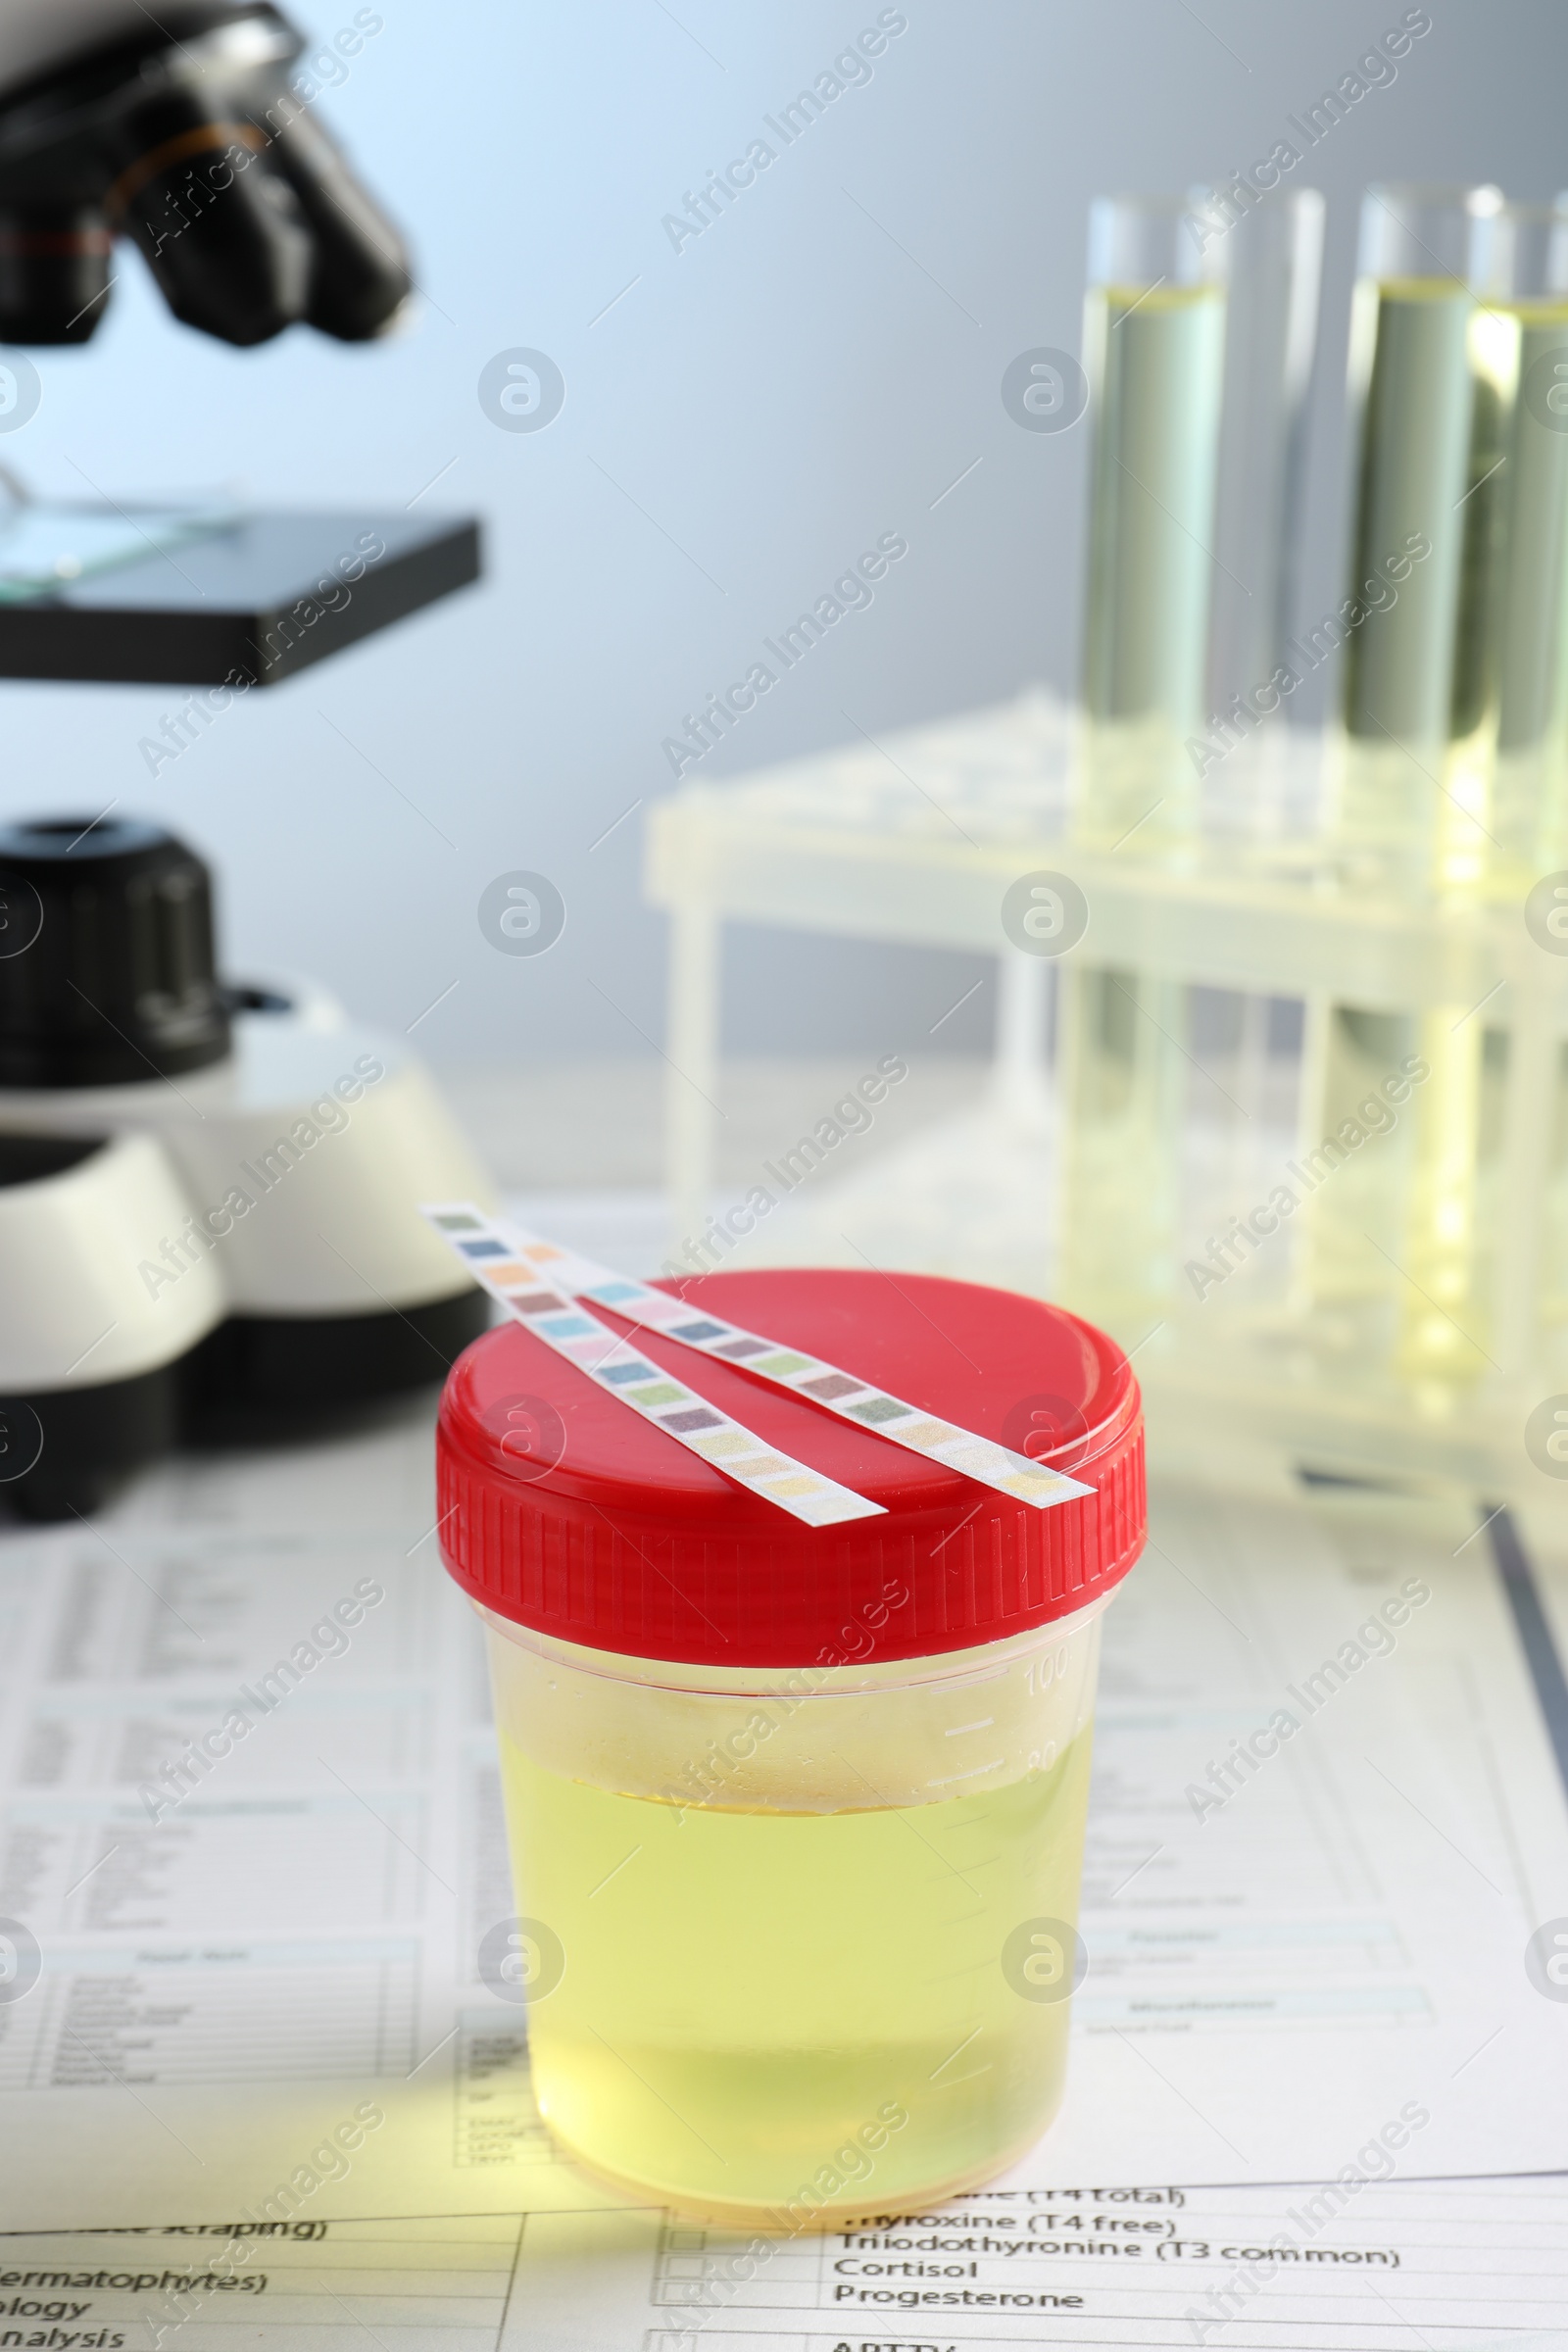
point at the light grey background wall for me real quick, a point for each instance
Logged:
(743, 416)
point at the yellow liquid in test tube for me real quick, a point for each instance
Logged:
(1402, 1246)
(1411, 343)
(1447, 1249)
(1157, 357)
(1122, 1074)
(1530, 797)
(1157, 361)
(750, 1998)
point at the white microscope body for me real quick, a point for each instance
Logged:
(234, 1247)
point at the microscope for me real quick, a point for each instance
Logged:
(209, 1189)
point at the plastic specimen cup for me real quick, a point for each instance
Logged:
(797, 1814)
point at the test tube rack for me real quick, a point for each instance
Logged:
(917, 840)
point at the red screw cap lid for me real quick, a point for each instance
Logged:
(566, 1512)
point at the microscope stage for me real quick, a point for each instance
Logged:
(251, 597)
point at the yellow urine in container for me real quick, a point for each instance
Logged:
(751, 1998)
(753, 2012)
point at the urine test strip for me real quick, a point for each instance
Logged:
(492, 1258)
(823, 1384)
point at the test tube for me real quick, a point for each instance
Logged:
(1153, 352)
(1504, 771)
(1528, 281)
(1273, 301)
(1427, 409)
(1394, 1242)
(1526, 294)
(1153, 341)
(1446, 1248)
(1275, 278)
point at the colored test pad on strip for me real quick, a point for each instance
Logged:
(494, 1260)
(838, 1392)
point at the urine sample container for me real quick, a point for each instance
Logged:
(796, 1814)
